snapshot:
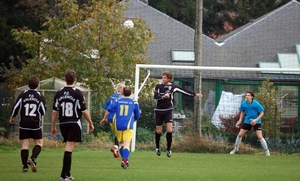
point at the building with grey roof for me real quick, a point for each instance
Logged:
(258, 41)
(269, 41)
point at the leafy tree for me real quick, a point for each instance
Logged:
(12, 15)
(91, 40)
(219, 16)
(268, 97)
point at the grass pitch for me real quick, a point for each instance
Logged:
(99, 164)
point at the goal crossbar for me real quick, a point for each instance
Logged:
(138, 88)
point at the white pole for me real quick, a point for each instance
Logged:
(136, 92)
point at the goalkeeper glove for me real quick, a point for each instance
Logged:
(238, 123)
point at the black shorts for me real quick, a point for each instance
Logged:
(71, 132)
(249, 126)
(27, 134)
(163, 116)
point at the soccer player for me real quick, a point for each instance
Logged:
(69, 105)
(32, 106)
(111, 117)
(127, 111)
(251, 111)
(164, 96)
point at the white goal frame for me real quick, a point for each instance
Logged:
(138, 88)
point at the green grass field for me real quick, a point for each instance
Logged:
(95, 165)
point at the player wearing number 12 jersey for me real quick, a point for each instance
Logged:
(32, 107)
(69, 105)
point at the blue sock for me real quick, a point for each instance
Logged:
(126, 153)
(121, 151)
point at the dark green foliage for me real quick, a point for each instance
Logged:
(147, 106)
(13, 15)
(207, 128)
(5, 127)
(216, 13)
(144, 135)
(268, 97)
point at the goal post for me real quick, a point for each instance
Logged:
(138, 87)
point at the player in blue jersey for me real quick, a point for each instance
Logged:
(111, 117)
(32, 107)
(251, 111)
(69, 105)
(126, 111)
(164, 97)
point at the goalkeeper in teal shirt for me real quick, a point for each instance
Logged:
(126, 111)
(251, 111)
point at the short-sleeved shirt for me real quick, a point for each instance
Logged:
(70, 103)
(111, 99)
(32, 106)
(127, 111)
(251, 110)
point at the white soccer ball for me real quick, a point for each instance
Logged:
(128, 24)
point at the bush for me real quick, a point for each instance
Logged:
(228, 123)
(143, 135)
(2, 131)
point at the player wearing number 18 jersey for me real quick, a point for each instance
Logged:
(69, 105)
(32, 107)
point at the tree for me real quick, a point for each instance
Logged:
(13, 15)
(91, 40)
(269, 99)
(219, 16)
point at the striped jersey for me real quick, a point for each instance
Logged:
(168, 104)
(70, 103)
(127, 111)
(111, 99)
(32, 107)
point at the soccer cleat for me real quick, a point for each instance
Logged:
(70, 177)
(267, 153)
(169, 153)
(233, 152)
(115, 152)
(157, 151)
(64, 179)
(32, 165)
(25, 170)
(124, 164)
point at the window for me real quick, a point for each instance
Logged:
(183, 56)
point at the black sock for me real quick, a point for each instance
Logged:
(24, 158)
(67, 161)
(157, 139)
(116, 141)
(169, 140)
(35, 152)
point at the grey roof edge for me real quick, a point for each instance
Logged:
(222, 40)
(140, 3)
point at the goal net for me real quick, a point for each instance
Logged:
(223, 90)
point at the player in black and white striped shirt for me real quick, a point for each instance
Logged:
(32, 106)
(69, 105)
(163, 112)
